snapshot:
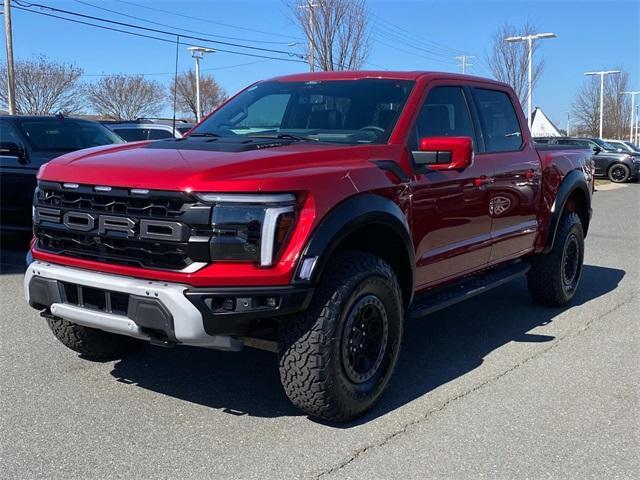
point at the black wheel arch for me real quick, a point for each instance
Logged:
(356, 218)
(574, 188)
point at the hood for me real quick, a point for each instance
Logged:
(205, 164)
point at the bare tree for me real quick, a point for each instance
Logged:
(122, 97)
(617, 107)
(338, 29)
(509, 61)
(43, 86)
(211, 94)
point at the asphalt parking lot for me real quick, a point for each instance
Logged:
(496, 387)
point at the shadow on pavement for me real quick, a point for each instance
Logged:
(437, 349)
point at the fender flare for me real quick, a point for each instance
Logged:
(574, 180)
(353, 213)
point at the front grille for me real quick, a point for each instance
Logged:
(90, 241)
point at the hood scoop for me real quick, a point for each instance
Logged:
(218, 144)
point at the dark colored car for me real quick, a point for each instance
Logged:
(309, 216)
(619, 167)
(27, 143)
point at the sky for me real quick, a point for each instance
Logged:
(405, 35)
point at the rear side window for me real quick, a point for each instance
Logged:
(157, 134)
(500, 124)
(444, 114)
(132, 134)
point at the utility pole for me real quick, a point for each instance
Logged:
(633, 113)
(463, 62)
(529, 39)
(197, 53)
(11, 81)
(312, 20)
(568, 123)
(602, 74)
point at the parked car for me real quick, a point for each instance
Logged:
(625, 147)
(309, 216)
(148, 129)
(28, 142)
(609, 163)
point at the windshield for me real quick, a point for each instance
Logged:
(605, 145)
(66, 135)
(345, 111)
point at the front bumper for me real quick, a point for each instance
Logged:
(154, 310)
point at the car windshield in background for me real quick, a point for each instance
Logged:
(66, 135)
(337, 111)
(605, 145)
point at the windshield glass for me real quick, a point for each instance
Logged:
(345, 111)
(605, 145)
(66, 135)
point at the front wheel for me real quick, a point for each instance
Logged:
(554, 277)
(619, 173)
(338, 356)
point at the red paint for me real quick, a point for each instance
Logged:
(451, 212)
(460, 148)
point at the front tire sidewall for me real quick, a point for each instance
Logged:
(622, 177)
(360, 397)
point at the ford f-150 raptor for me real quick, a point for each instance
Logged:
(310, 215)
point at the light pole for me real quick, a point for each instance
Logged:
(568, 123)
(529, 39)
(197, 53)
(602, 74)
(464, 62)
(633, 113)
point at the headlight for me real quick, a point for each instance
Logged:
(249, 227)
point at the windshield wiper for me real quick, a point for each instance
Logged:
(286, 136)
(204, 134)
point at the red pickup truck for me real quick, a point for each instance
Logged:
(309, 215)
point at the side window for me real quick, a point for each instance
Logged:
(500, 124)
(8, 134)
(132, 134)
(157, 134)
(444, 114)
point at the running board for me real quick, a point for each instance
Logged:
(470, 287)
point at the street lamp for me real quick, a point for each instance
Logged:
(529, 39)
(197, 53)
(633, 113)
(602, 73)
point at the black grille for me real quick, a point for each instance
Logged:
(118, 247)
(95, 298)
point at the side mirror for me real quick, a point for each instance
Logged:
(12, 149)
(596, 150)
(444, 153)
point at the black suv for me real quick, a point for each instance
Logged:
(609, 163)
(26, 143)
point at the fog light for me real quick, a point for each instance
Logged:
(271, 302)
(229, 304)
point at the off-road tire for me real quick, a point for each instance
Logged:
(91, 343)
(548, 277)
(618, 173)
(314, 371)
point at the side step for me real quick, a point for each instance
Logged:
(470, 287)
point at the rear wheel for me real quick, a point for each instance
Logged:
(554, 277)
(619, 173)
(91, 343)
(338, 356)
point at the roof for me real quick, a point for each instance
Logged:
(44, 117)
(380, 74)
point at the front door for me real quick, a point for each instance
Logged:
(450, 208)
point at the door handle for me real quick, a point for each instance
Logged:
(483, 180)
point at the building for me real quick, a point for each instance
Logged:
(541, 126)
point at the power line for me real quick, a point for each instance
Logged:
(176, 28)
(149, 74)
(449, 61)
(169, 12)
(136, 34)
(28, 5)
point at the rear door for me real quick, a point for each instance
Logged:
(450, 210)
(514, 192)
